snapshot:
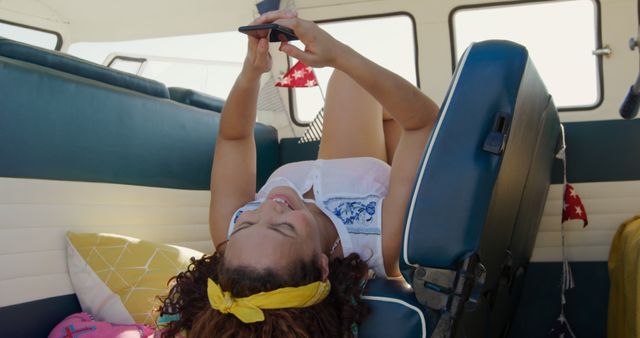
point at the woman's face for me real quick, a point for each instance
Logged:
(283, 229)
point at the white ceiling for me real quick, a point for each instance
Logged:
(93, 20)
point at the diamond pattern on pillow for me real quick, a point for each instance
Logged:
(135, 270)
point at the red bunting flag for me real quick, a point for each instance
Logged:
(573, 208)
(300, 75)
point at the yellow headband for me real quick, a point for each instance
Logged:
(249, 309)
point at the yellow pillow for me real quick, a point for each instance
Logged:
(117, 278)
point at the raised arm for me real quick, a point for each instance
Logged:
(409, 107)
(233, 175)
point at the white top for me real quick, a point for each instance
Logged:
(349, 191)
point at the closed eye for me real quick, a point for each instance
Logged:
(285, 229)
(241, 226)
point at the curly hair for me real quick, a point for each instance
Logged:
(333, 317)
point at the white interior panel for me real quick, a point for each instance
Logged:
(608, 204)
(26, 289)
(36, 215)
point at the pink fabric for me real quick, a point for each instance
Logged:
(82, 325)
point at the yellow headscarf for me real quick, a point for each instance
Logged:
(249, 309)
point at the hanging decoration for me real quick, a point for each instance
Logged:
(572, 209)
(300, 75)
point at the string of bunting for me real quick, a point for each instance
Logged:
(572, 209)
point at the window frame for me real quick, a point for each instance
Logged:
(57, 34)
(290, 93)
(598, 41)
(142, 61)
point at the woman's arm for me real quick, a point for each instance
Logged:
(233, 175)
(416, 115)
(409, 107)
(406, 103)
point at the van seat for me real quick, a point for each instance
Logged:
(73, 65)
(195, 98)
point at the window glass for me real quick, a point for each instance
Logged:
(212, 77)
(29, 35)
(208, 63)
(388, 41)
(559, 35)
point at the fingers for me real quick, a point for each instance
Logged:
(291, 50)
(273, 16)
(252, 45)
(295, 52)
(293, 23)
(262, 52)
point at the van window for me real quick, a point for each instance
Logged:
(559, 35)
(127, 64)
(32, 36)
(388, 41)
(208, 63)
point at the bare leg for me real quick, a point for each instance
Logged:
(352, 122)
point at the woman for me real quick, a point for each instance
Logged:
(291, 260)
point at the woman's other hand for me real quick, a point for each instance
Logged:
(258, 59)
(321, 49)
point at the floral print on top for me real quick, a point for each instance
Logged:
(358, 215)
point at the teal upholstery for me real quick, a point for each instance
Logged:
(56, 125)
(73, 65)
(37, 318)
(196, 99)
(394, 311)
(614, 143)
(292, 151)
(586, 307)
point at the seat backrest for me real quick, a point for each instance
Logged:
(102, 133)
(482, 183)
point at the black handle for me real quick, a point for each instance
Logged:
(629, 108)
(496, 140)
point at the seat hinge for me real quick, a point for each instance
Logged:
(447, 292)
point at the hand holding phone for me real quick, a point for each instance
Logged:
(273, 31)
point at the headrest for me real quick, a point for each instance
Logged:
(73, 65)
(196, 99)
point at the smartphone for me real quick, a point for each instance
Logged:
(275, 32)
